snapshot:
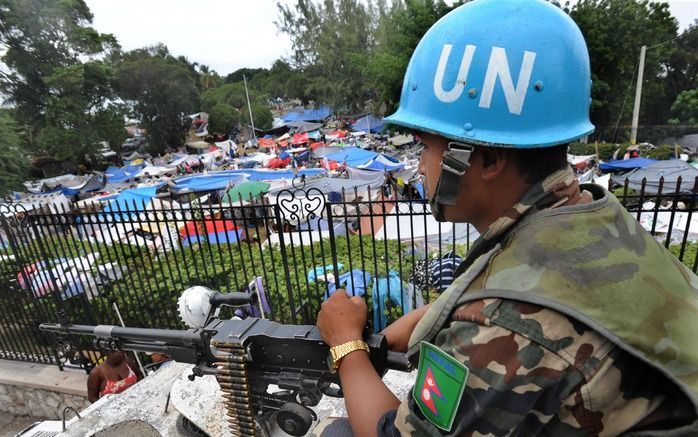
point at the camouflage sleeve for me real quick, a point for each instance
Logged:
(534, 371)
(520, 374)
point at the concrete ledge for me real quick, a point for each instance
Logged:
(43, 377)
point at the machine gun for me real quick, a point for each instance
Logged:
(246, 356)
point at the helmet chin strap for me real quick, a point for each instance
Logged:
(456, 161)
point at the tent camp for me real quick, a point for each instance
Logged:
(669, 170)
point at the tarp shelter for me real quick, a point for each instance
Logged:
(246, 190)
(272, 175)
(383, 163)
(626, 164)
(321, 152)
(56, 202)
(123, 174)
(151, 170)
(221, 231)
(352, 156)
(670, 170)
(368, 123)
(300, 127)
(198, 144)
(131, 201)
(401, 140)
(302, 114)
(208, 182)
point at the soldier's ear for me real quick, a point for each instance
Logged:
(493, 161)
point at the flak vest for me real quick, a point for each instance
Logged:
(596, 264)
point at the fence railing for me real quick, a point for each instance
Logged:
(134, 259)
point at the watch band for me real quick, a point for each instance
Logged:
(340, 351)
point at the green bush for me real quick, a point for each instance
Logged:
(606, 151)
(662, 152)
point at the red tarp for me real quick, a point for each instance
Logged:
(279, 163)
(219, 226)
(265, 142)
(300, 139)
(316, 145)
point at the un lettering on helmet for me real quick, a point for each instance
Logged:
(512, 73)
(497, 68)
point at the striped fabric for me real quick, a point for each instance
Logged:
(442, 270)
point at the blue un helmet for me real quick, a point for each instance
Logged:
(508, 73)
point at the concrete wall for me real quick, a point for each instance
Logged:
(22, 401)
(40, 390)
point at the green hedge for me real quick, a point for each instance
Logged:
(147, 295)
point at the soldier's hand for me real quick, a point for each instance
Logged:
(341, 318)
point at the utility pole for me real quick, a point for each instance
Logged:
(638, 96)
(249, 108)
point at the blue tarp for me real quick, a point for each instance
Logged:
(626, 164)
(123, 174)
(368, 122)
(384, 163)
(132, 200)
(224, 179)
(353, 156)
(272, 175)
(320, 113)
(208, 182)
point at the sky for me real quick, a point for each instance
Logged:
(226, 34)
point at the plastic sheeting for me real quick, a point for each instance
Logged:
(302, 114)
(368, 123)
(352, 156)
(208, 182)
(123, 174)
(669, 170)
(626, 164)
(383, 163)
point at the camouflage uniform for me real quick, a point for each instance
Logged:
(519, 318)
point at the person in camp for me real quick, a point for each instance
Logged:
(565, 317)
(114, 375)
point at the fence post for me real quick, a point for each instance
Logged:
(333, 244)
(284, 257)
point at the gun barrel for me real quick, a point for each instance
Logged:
(189, 337)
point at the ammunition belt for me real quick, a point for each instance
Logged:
(232, 377)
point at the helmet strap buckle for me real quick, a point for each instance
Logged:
(456, 159)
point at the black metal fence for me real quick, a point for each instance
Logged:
(131, 261)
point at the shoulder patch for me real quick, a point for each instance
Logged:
(439, 387)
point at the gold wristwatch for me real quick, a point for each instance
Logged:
(340, 351)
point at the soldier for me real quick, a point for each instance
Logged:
(566, 317)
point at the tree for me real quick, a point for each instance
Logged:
(223, 118)
(685, 108)
(80, 112)
(614, 31)
(261, 115)
(42, 36)
(398, 32)
(160, 90)
(331, 42)
(208, 78)
(14, 163)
